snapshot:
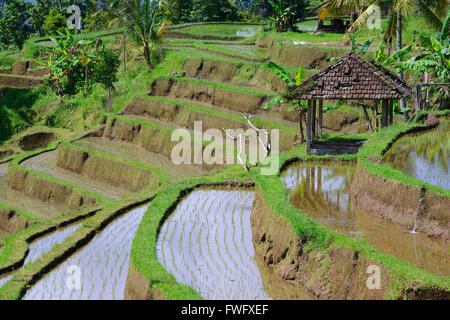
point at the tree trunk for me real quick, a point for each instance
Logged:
(147, 56)
(400, 75)
(124, 51)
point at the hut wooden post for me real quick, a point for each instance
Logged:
(391, 112)
(308, 126)
(375, 113)
(320, 117)
(418, 98)
(384, 112)
(313, 120)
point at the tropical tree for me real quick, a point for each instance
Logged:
(140, 18)
(14, 29)
(282, 15)
(432, 11)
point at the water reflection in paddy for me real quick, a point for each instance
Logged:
(40, 247)
(323, 192)
(103, 264)
(424, 156)
(207, 244)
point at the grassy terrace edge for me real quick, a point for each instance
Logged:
(382, 142)
(14, 165)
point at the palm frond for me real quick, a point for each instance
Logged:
(430, 16)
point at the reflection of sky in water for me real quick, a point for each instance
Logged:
(323, 193)
(332, 185)
(247, 32)
(424, 156)
(42, 246)
(103, 264)
(207, 244)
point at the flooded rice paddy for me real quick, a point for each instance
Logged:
(244, 49)
(40, 247)
(323, 192)
(248, 32)
(46, 163)
(17, 200)
(207, 244)
(424, 156)
(103, 263)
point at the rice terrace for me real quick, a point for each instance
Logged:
(226, 150)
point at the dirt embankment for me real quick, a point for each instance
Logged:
(20, 76)
(113, 172)
(308, 56)
(151, 139)
(239, 101)
(138, 287)
(185, 117)
(46, 190)
(398, 203)
(237, 74)
(337, 273)
(36, 140)
(233, 100)
(12, 222)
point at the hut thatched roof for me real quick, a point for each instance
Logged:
(352, 78)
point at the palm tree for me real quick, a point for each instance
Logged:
(432, 11)
(140, 19)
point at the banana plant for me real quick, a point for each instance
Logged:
(282, 13)
(281, 99)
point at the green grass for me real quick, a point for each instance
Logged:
(216, 30)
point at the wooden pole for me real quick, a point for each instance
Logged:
(418, 98)
(313, 120)
(384, 108)
(366, 114)
(375, 113)
(391, 112)
(308, 126)
(320, 117)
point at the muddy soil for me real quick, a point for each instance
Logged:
(36, 140)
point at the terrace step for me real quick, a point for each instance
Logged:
(182, 113)
(39, 209)
(47, 163)
(134, 153)
(219, 95)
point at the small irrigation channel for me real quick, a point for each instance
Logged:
(424, 156)
(40, 247)
(103, 265)
(207, 244)
(323, 192)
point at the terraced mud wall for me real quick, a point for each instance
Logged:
(151, 139)
(397, 202)
(338, 273)
(113, 172)
(381, 190)
(46, 190)
(233, 73)
(195, 91)
(12, 222)
(183, 115)
(12, 81)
